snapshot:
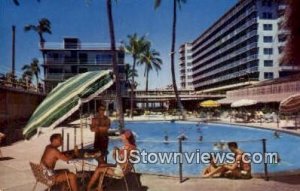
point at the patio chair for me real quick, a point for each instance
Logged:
(128, 169)
(38, 171)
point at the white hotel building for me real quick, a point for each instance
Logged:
(240, 48)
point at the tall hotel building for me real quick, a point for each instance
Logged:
(241, 48)
(185, 63)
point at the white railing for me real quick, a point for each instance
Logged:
(228, 76)
(80, 46)
(232, 35)
(227, 57)
(238, 19)
(229, 66)
(227, 47)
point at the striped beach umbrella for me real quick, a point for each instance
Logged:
(66, 98)
(290, 104)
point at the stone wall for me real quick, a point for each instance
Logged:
(16, 107)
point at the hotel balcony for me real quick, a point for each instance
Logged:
(227, 47)
(225, 58)
(232, 35)
(226, 28)
(227, 77)
(229, 66)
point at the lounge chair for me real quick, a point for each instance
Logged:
(128, 169)
(42, 177)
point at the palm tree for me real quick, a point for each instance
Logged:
(33, 68)
(44, 26)
(135, 47)
(150, 58)
(114, 63)
(128, 74)
(175, 2)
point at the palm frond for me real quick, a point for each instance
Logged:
(16, 2)
(30, 27)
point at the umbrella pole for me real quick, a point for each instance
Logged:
(81, 127)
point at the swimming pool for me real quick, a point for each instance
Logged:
(150, 137)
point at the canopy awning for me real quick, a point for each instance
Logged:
(290, 104)
(243, 103)
(66, 98)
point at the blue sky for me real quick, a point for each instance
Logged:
(86, 19)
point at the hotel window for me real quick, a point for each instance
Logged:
(268, 75)
(268, 39)
(280, 49)
(282, 38)
(268, 51)
(55, 56)
(268, 63)
(267, 15)
(267, 3)
(268, 27)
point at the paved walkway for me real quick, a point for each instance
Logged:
(15, 174)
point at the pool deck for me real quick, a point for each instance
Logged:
(15, 173)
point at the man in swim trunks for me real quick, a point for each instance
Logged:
(51, 156)
(241, 168)
(100, 125)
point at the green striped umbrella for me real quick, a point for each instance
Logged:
(66, 98)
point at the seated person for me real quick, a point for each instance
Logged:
(51, 156)
(212, 167)
(238, 169)
(123, 154)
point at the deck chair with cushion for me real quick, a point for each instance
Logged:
(129, 169)
(38, 171)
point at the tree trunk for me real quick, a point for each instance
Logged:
(132, 88)
(179, 104)
(115, 65)
(37, 82)
(146, 90)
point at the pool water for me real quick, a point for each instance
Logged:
(150, 137)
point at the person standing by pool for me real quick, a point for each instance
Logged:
(239, 169)
(100, 125)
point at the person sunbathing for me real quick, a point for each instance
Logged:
(50, 156)
(241, 168)
(122, 154)
(211, 168)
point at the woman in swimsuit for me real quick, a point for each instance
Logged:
(122, 154)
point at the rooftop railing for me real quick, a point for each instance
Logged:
(77, 46)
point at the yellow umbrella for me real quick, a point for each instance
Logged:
(209, 103)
